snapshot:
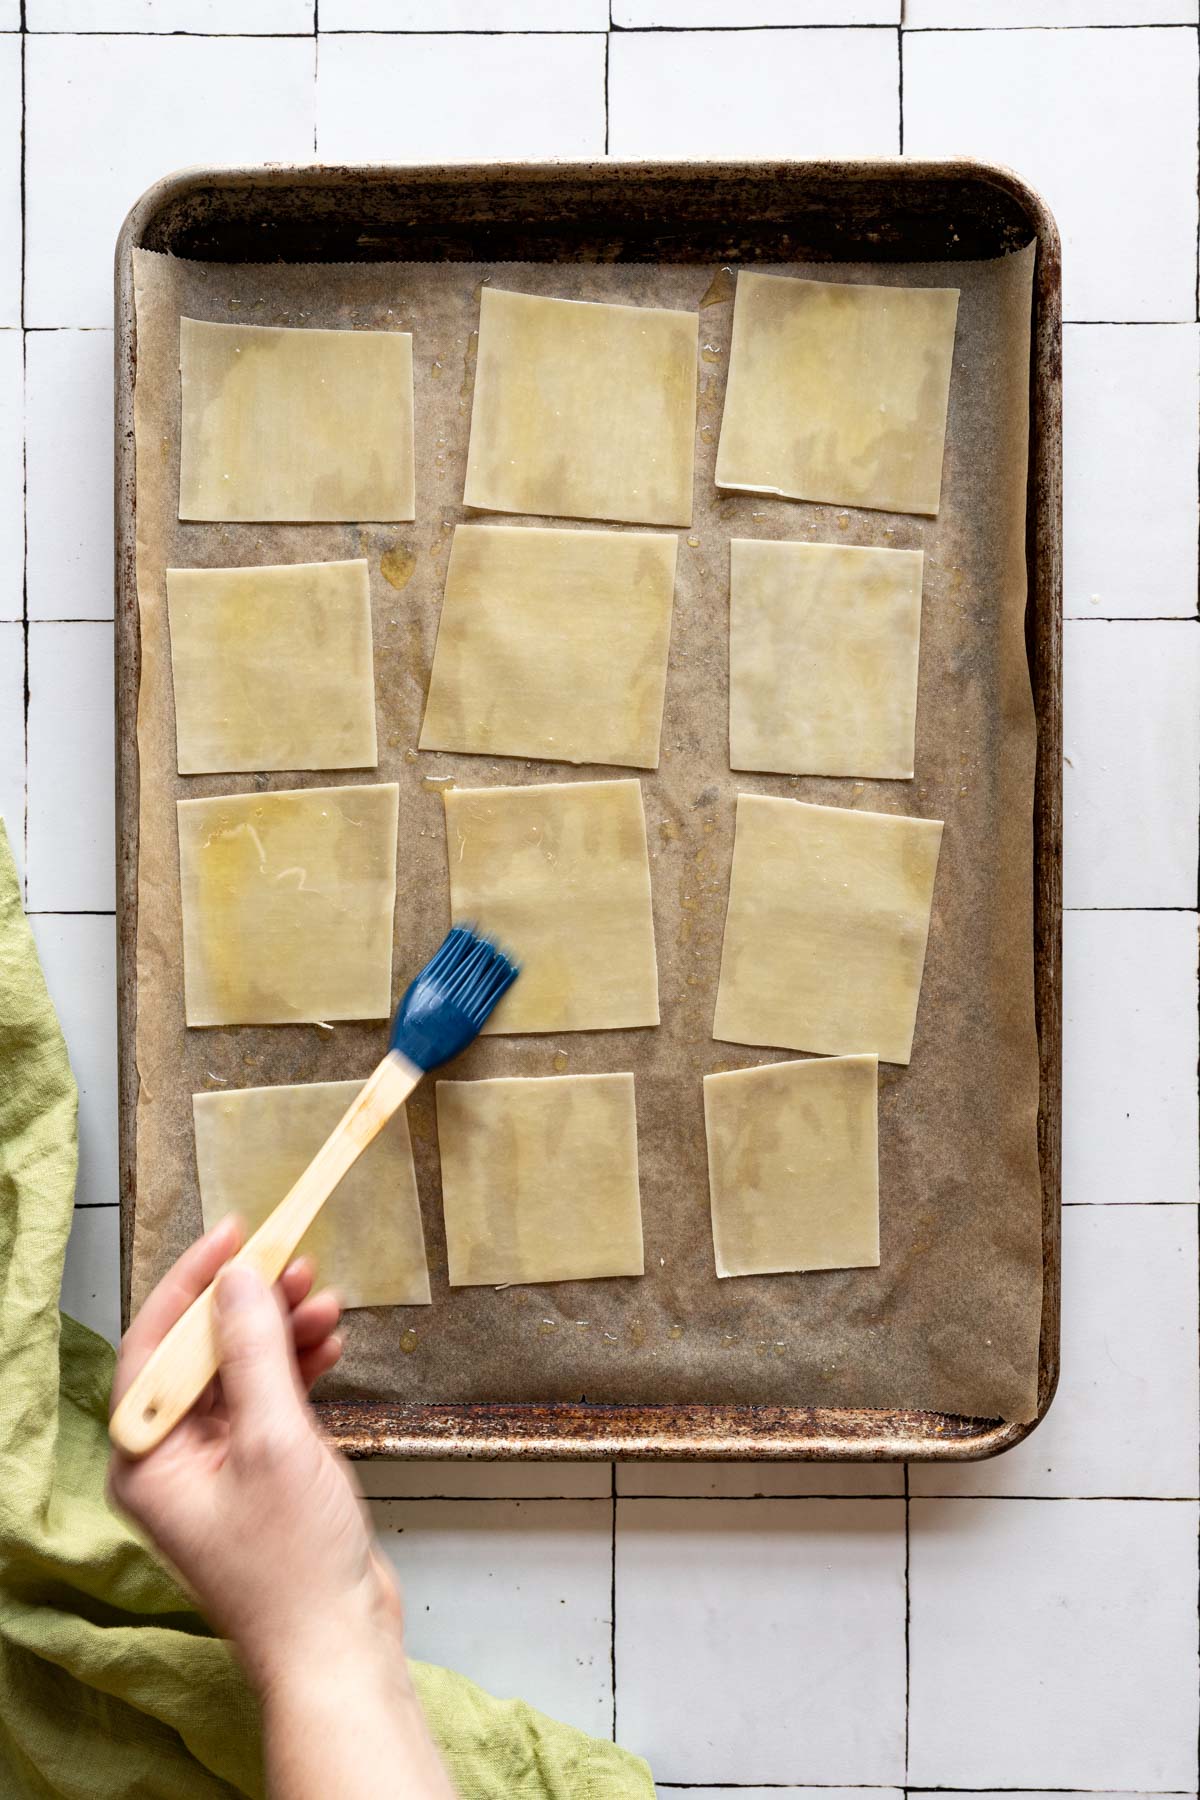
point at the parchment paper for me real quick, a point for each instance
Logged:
(950, 1319)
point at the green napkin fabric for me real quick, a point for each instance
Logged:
(110, 1684)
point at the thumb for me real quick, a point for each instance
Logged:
(255, 1361)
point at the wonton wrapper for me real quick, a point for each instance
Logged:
(823, 649)
(272, 667)
(583, 410)
(825, 934)
(254, 1143)
(560, 877)
(553, 644)
(287, 905)
(793, 1166)
(838, 392)
(295, 425)
(539, 1179)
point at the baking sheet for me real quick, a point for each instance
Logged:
(950, 1320)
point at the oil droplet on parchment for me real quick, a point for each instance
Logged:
(561, 1059)
(397, 564)
(408, 1341)
(710, 352)
(546, 1327)
(637, 1333)
(719, 289)
(674, 1331)
(437, 784)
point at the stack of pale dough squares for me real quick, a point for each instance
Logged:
(553, 645)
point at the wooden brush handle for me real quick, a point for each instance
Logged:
(177, 1372)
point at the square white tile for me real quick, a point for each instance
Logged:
(515, 1594)
(1059, 1636)
(753, 93)
(1124, 1420)
(1131, 742)
(79, 960)
(12, 738)
(757, 1480)
(762, 1641)
(464, 15)
(1129, 1057)
(1131, 440)
(69, 449)
(464, 97)
(106, 116)
(949, 14)
(680, 15)
(12, 476)
(771, 1793)
(10, 15)
(10, 179)
(91, 1285)
(1102, 123)
(265, 16)
(71, 846)
(421, 1480)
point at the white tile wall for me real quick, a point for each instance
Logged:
(1131, 440)
(1075, 1612)
(10, 180)
(1131, 787)
(753, 93)
(70, 729)
(12, 474)
(464, 15)
(517, 1594)
(760, 1610)
(106, 116)
(1129, 1055)
(1095, 120)
(69, 449)
(464, 97)
(749, 1634)
(12, 737)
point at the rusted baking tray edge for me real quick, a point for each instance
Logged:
(686, 212)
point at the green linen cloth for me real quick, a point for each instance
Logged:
(110, 1684)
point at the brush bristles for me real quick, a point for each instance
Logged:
(451, 998)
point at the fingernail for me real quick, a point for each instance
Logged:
(237, 1287)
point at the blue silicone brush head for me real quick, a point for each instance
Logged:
(448, 1003)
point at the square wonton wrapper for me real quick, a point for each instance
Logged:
(583, 410)
(793, 1166)
(825, 935)
(297, 425)
(539, 1179)
(272, 667)
(553, 644)
(560, 876)
(823, 648)
(287, 905)
(838, 392)
(367, 1242)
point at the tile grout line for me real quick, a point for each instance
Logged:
(900, 77)
(607, 53)
(24, 488)
(612, 1598)
(907, 1620)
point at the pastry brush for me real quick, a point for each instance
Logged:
(439, 1015)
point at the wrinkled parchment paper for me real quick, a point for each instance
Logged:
(949, 1321)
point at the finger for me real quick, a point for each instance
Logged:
(296, 1280)
(314, 1319)
(257, 1378)
(318, 1361)
(171, 1298)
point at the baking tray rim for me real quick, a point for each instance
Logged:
(709, 1431)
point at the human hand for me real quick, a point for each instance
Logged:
(262, 1521)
